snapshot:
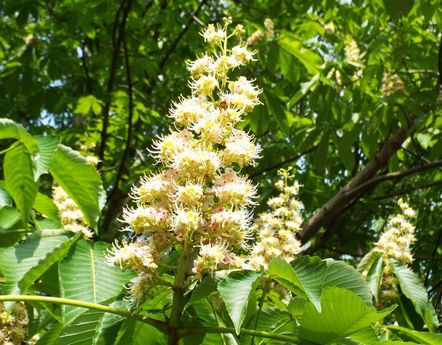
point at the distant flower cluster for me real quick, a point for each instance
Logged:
(14, 325)
(391, 83)
(200, 200)
(395, 243)
(277, 229)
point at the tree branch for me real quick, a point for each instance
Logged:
(116, 42)
(280, 164)
(408, 190)
(121, 167)
(391, 176)
(337, 203)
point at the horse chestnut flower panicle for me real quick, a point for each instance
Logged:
(200, 202)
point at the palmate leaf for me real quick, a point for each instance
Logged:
(47, 146)
(19, 179)
(85, 276)
(235, 291)
(204, 289)
(343, 313)
(307, 276)
(80, 181)
(23, 263)
(412, 287)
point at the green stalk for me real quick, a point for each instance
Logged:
(178, 294)
(162, 326)
(184, 332)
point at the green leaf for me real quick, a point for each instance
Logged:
(207, 287)
(412, 287)
(87, 104)
(236, 290)
(426, 338)
(374, 277)
(343, 313)
(85, 276)
(277, 111)
(321, 154)
(366, 336)
(47, 146)
(82, 330)
(8, 217)
(367, 261)
(11, 130)
(305, 88)
(398, 8)
(19, 180)
(23, 263)
(140, 333)
(311, 61)
(44, 205)
(80, 181)
(342, 275)
(304, 278)
(5, 198)
(11, 229)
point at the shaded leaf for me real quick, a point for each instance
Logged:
(23, 263)
(235, 291)
(19, 180)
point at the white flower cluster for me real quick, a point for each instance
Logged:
(352, 52)
(259, 35)
(14, 325)
(391, 83)
(200, 199)
(276, 229)
(395, 243)
(71, 216)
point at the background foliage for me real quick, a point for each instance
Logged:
(102, 74)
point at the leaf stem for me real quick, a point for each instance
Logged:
(162, 326)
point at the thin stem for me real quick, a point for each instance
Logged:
(185, 332)
(265, 289)
(162, 326)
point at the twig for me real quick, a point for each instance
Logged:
(129, 121)
(116, 42)
(408, 190)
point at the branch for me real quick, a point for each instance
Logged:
(337, 203)
(185, 332)
(280, 164)
(116, 41)
(129, 121)
(180, 36)
(409, 190)
(162, 326)
(391, 176)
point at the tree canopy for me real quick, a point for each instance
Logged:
(351, 101)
